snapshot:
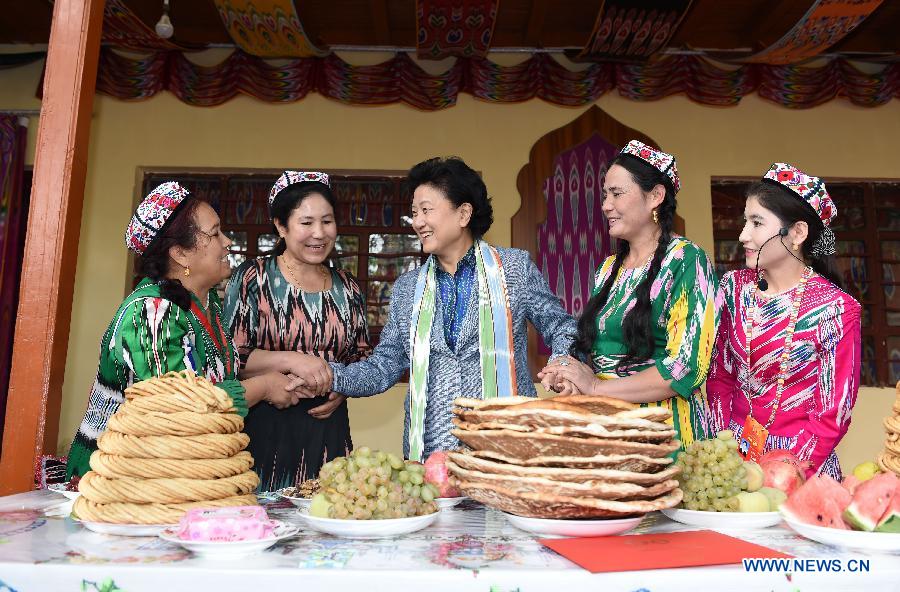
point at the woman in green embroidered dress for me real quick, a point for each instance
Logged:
(651, 322)
(172, 320)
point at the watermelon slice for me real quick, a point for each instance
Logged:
(820, 502)
(850, 483)
(890, 521)
(871, 500)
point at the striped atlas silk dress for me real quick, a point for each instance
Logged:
(683, 321)
(823, 373)
(265, 311)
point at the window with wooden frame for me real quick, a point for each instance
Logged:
(868, 255)
(375, 241)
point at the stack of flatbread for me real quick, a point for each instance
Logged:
(889, 459)
(571, 456)
(175, 444)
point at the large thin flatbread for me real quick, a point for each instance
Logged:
(621, 462)
(585, 403)
(528, 445)
(543, 418)
(536, 505)
(575, 475)
(610, 490)
(589, 430)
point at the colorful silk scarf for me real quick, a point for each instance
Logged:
(495, 338)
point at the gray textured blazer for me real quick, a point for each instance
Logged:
(458, 374)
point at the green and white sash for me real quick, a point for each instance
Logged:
(495, 337)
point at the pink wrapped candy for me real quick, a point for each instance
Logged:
(242, 523)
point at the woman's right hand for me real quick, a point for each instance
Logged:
(278, 393)
(315, 372)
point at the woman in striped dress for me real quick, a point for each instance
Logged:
(172, 320)
(649, 326)
(788, 347)
(290, 312)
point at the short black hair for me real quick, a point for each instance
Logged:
(460, 184)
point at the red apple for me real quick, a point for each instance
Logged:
(436, 474)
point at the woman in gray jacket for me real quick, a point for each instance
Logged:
(458, 322)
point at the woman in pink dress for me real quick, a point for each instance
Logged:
(788, 345)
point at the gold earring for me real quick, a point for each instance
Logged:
(796, 247)
(187, 271)
(655, 217)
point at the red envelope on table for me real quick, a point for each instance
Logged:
(657, 551)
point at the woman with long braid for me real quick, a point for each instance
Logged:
(650, 323)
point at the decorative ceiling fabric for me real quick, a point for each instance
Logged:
(267, 28)
(122, 28)
(401, 80)
(629, 30)
(461, 28)
(823, 25)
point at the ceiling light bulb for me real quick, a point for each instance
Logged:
(164, 27)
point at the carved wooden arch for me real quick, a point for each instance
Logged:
(541, 162)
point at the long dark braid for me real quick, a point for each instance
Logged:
(636, 326)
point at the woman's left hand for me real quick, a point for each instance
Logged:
(325, 410)
(568, 369)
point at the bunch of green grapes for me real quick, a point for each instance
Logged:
(712, 474)
(375, 485)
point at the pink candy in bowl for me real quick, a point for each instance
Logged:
(242, 523)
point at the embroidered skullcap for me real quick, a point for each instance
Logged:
(809, 189)
(661, 161)
(152, 214)
(289, 178)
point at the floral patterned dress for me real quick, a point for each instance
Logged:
(265, 311)
(683, 322)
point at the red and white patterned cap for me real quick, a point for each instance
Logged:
(661, 161)
(810, 189)
(152, 214)
(289, 178)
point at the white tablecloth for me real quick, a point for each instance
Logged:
(470, 547)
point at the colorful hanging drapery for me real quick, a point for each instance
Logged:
(824, 24)
(574, 239)
(401, 80)
(267, 28)
(461, 28)
(13, 216)
(122, 28)
(629, 30)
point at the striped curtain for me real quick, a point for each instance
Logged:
(13, 216)
(574, 239)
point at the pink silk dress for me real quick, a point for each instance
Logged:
(823, 372)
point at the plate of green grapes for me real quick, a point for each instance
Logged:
(371, 494)
(722, 490)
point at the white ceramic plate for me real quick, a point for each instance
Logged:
(136, 530)
(853, 539)
(61, 488)
(368, 529)
(448, 502)
(230, 549)
(300, 502)
(747, 520)
(573, 527)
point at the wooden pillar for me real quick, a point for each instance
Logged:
(51, 244)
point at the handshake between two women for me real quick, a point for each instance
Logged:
(293, 376)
